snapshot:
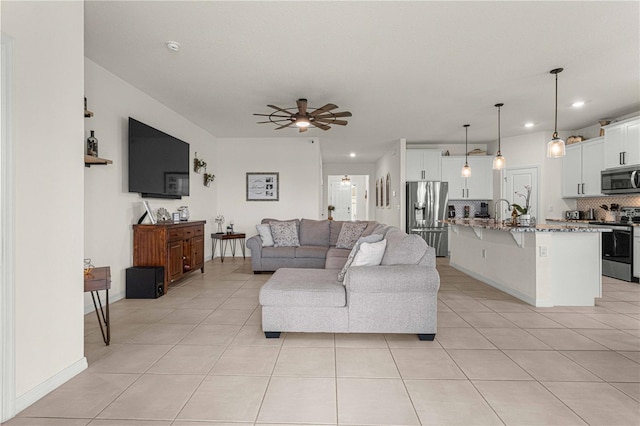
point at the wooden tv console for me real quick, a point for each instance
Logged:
(179, 247)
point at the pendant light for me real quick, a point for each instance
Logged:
(466, 170)
(498, 160)
(555, 147)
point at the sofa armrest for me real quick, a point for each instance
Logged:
(254, 243)
(392, 279)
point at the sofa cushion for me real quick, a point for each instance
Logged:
(370, 254)
(315, 252)
(336, 258)
(285, 234)
(279, 252)
(352, 254)
(297, 222)
(403, 249)
(371, 226)
(314, 232)
(334, 231)
(303, 288)
(264, 230)
(349, 234)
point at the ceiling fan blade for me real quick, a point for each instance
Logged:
(273, 114)
(329, 121)
(302, 106)
(327, 107)
(279, 109)
(303, 129)
(284, 125)
(334, 114)
(321, 126)
(272, 121)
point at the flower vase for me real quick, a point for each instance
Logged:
(524, 220)
(219, 231)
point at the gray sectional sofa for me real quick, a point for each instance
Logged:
(397, 296)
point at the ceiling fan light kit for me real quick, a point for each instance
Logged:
(304, 117)
(555, 147)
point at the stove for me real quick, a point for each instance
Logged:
(617, 245)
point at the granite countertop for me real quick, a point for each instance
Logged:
(490, 224)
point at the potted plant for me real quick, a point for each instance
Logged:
(208, 178)
(524, 218)
(331, 209)
(198, 164)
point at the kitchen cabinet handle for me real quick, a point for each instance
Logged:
(624, 157)
(578, 188)
(463, 193)
(633, 179)
(583, 189)
(621, 161)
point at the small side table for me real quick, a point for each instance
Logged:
(100, 279)
(225, 240)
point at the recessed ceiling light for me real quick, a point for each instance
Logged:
(577, 104)
(353, 154)
(174, 46)
(529, 124)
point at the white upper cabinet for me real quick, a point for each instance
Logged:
(581, 168)
(622, 141)
(423, 164)
(477, 187)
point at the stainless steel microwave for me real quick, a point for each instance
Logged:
(621, 180)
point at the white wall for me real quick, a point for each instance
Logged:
(298, 162)
(48, 75)
(392, 163)
(531, 150)
(109, 209)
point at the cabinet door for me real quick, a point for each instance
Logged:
(197, 252)
(175, 260)
(431, 164)
(613, 138)
(414, 165)
(592, 165)
(632, 144)
(572, 171)
(480, 184)
(451, 169)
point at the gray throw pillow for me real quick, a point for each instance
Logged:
(403, 249)
(285, 234)
(349, 234)
(369, 239)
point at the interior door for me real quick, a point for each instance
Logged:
(515, 180)
(341, 195)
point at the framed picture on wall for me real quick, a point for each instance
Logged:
(388, 189)
(263, 186)
(377, 194)
(381, 192)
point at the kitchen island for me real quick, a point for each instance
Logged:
(544, 265)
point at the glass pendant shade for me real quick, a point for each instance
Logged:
(555, 147)
(466, 170)
(499, 161)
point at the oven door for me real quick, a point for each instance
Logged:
(624, 180)
(617, 246)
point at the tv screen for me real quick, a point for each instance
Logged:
(158, 162)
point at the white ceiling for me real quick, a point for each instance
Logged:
(414, 70)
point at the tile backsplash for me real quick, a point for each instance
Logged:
(595, 203)
(474, 207)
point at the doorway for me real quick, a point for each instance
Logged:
(515, 180)
(348, 194)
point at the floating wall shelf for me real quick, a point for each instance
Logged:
(90, 160)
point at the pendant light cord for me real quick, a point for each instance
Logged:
(499, 131)
(555, 131)
(466, 148)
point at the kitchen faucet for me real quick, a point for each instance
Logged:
(498, 214)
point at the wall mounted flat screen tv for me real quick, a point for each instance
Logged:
(158, 163)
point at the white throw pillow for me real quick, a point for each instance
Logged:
(370, 254)
(354, 251)
(265, 233)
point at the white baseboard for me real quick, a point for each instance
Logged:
(52, 383)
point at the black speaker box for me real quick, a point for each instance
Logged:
(145, 282)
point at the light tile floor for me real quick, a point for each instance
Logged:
(197, 357)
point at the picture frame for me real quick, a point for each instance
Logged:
(176, 217)
(377, 194)
(263, 186)
(152, 218)
(388, 190)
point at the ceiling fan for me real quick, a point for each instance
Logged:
(305, 117)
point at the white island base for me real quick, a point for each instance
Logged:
(545, 266)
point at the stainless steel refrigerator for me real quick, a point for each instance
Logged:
(426, 208)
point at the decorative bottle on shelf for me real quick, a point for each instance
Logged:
(92, 145)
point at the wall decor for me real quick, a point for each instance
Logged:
(92, 144)
(381, 192)
(208, 178)
(148, 212)
(263, 186)
(199, 164)
(377, 194)
(387, 188)
(163, 215)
